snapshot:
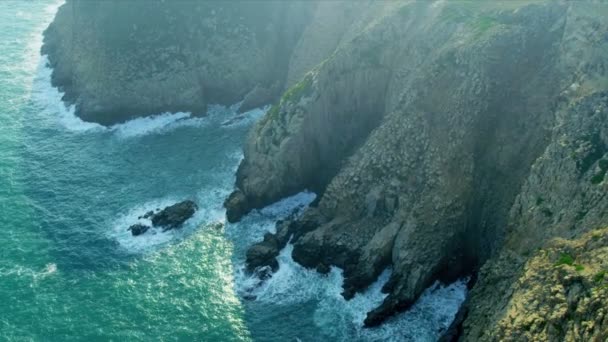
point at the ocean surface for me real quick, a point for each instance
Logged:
(69, 269)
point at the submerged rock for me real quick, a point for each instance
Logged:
(174, 216)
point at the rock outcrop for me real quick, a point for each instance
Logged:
(175, 215)
(441, 137)
(171, 217)
(116, 60)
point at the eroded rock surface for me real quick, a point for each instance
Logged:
(561, 294)
(442, 137)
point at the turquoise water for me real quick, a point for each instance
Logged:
(69, 270)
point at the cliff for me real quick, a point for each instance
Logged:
(441, 137)
(116, 60)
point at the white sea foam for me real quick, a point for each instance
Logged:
(21, 271)
(144, 242)
(209, 200)
(341, 319)
(48, 98)
(155, 124)
(155, 237)
(259, 222)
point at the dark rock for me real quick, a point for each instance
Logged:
(175, 215)
(263, 254)
(236, 206)
(138, 229)
(389, 307)
(323, 269)
(149, 214)
(250, 297)
(191, 55)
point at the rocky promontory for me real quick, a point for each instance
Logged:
(117, 60)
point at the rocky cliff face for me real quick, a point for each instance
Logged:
(561, 294)
(116, 60)
(442, 137)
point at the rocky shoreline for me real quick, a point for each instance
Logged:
(118, 60)
(443, 139)
(439, 185)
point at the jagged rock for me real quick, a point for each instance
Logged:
(174, 216)
(264, 254)
(427, 166)
(138, 229)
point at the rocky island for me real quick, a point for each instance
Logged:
(445, 139)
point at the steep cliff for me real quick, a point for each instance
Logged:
(116, 60)
(441, 137)
(444, 138)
